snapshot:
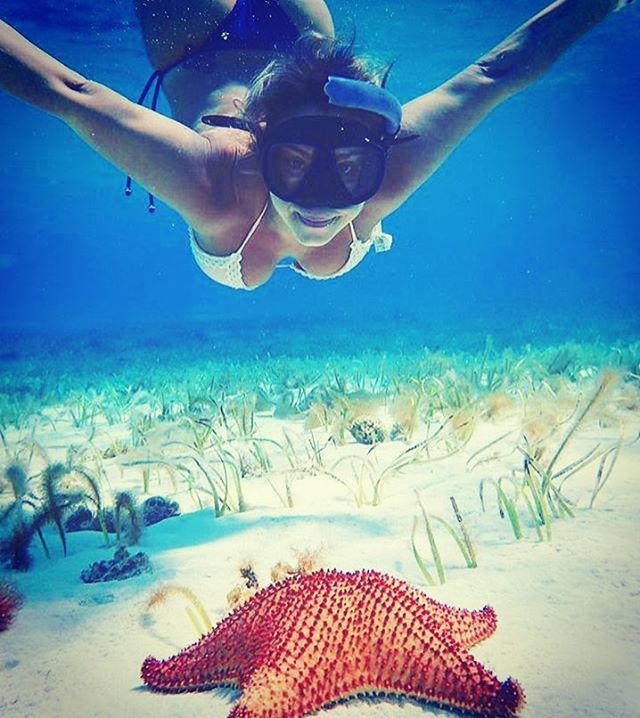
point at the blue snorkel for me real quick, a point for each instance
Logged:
(359, 95)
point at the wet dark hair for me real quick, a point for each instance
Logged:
(299, 78)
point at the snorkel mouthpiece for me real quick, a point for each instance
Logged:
(359, 95)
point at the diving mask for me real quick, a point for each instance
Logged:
(322, 161)
(330, 160)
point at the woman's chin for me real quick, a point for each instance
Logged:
(315, 231)
(314, 238)
(313, 227)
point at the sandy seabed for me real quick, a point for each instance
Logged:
(568, 607)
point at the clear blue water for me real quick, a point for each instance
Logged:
(513, 279)
(528, 232)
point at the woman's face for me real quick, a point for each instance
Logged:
(314, 227)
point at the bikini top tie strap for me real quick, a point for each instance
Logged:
(155, 82)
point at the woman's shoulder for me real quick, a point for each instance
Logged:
(234, 179)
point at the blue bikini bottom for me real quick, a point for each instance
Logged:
(250, 25)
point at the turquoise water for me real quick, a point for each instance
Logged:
(503, 323)
(530, 228)
(525, 241)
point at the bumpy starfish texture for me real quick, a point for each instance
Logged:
(313, 640)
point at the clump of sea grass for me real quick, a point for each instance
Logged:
(127, 519)
(21, 519)
(29, 510)
(462, 541)
(93, 494)
(564, 359)
(466, 538)
(607, 381)
(195, 610)
(51, 479)
(605, 468)
(496, 404)
(307, 561)
(405, 410)
(480, 456)
(541, 489)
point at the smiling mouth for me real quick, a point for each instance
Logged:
(315, 221)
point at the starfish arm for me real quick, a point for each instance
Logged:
(227, 655)
(272, 692)
(185, 672)
(467, 628)
(455, 680)
(408, 658)
(217, 659)
(449, 676)
(420, 646)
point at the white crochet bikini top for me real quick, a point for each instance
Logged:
(227, 270)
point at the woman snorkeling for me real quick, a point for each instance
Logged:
(283, 143)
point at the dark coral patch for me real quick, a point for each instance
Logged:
(10, 603)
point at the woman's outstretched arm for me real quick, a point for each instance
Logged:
(168, 158)
(446, 115)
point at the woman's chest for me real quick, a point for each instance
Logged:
(261, 245)
(270, 248)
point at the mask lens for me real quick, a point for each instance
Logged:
(288, 164)
(358, 168)
(322, 162)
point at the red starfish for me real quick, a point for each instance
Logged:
(312, 640)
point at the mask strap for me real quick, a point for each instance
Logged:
(400, 140)
(235, 123)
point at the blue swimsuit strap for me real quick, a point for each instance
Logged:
(250, 25)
